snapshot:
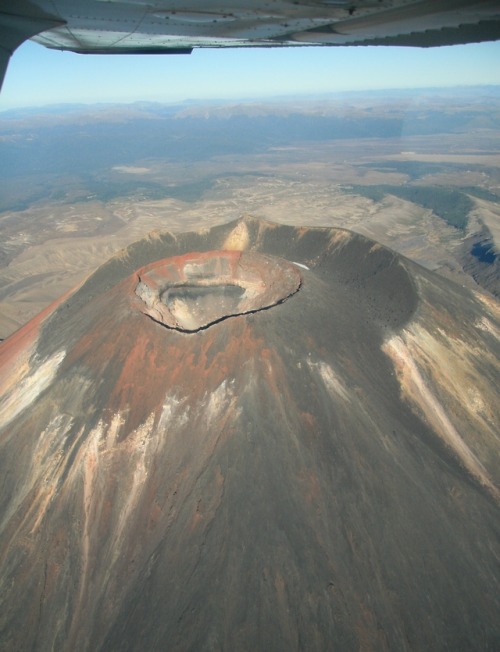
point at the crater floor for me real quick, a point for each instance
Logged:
(191, 292)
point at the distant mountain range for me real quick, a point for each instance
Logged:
(81, 138)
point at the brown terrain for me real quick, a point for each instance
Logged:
(309, 470)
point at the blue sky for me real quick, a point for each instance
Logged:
(37, 76)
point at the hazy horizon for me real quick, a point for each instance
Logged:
(38, 76)
(382, 94)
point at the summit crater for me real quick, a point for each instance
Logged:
(191, 292)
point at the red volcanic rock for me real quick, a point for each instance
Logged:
(318, 475)
(190, 292)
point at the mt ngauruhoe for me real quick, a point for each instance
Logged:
(254, 437)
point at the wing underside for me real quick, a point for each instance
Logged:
(178, 26)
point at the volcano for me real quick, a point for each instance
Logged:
(254, 437)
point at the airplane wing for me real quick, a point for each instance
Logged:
(178, 26)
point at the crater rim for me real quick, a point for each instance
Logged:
(190, 292)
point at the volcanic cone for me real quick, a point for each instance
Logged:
(252, 438)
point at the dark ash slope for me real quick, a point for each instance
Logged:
(319, 475)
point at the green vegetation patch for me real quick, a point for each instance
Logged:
(449, 204)
(481, 193)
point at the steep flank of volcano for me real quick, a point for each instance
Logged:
(254, 437)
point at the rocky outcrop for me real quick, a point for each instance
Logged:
(481, 260)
